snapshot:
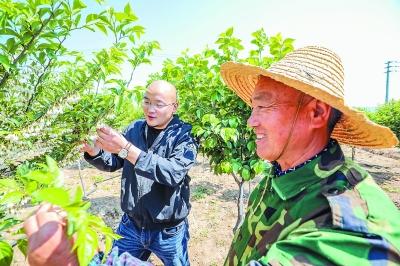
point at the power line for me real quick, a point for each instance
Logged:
(391, 66)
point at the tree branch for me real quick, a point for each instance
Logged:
(26, 47)
(39, 80)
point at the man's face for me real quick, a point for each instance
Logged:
(274, 107)
(159, 105)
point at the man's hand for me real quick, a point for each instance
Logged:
(48, 244)
(110, 140)
(91, 149)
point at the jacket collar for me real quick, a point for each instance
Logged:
(174, 121)
(319, 168)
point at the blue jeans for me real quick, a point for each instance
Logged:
(169, 244)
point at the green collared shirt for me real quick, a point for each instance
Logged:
(328, 212)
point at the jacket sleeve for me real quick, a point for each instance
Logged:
(172, 170)
(105, 161)
(326, 247)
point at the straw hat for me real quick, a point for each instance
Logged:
(318, 72)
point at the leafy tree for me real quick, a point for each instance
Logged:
(45, 184)
(387, 114)
(218, 116)
(51, 98)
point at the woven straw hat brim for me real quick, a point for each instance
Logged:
(354, 128)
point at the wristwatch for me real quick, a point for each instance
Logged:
(123, 153)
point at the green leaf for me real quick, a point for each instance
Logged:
(229, 32)
(54, 172)
(108, 244)
(236, 166)
(259, 167)
(52, 165)
(128, 9)
(210, 143)
(245, 174)
(9, 31)
(102, 28)
(8, 223)
(71, 225)
(5, 62)
(23, 246)
(91, 17)
(11, 46)
(56, 196)
(197, 130)
(251, 146)
(86, 243)
(210, 118)
(31, 187)
(7, 184)
(139, 30)
(6, 253)
(78, 4)
(121, 16)
(78, 195)
(42, 57)
(77, 20)
(228, 134)
(40, 176)
(233, 122)
(226, 167)
(11, 197)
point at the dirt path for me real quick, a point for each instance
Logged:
(213, 212)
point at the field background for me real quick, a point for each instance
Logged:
(213, 212)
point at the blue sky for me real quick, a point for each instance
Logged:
(364, 33)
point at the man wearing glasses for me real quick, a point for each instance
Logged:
(155, 154)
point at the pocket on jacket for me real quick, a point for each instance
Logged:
(173, 231)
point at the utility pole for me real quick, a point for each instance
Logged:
(388, 71)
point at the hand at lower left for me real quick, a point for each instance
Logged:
(48, 243)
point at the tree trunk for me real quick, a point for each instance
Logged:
(240, 203)
(249, 189)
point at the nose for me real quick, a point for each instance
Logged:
(252, 121)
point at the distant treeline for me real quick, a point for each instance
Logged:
(387, 114)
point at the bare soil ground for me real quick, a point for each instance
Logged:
(214, 208)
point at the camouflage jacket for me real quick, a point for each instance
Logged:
(328, 212)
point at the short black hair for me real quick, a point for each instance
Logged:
(334, 117)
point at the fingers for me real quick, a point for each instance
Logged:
(110, 140)
(91, 148)
(47, 213)
(60, 212)
(107, 132)
(44, 214)
(107, 139)
(86, 148)
(31, 226)
(100, 143)
(50, 221)
(105, 129)
(104, 136)
(43, 208)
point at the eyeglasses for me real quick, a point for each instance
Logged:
(158, 106)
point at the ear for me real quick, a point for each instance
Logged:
(319, 113)
(176, 105)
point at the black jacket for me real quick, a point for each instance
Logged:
(155, 191)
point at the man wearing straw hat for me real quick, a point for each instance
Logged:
(315, 206)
